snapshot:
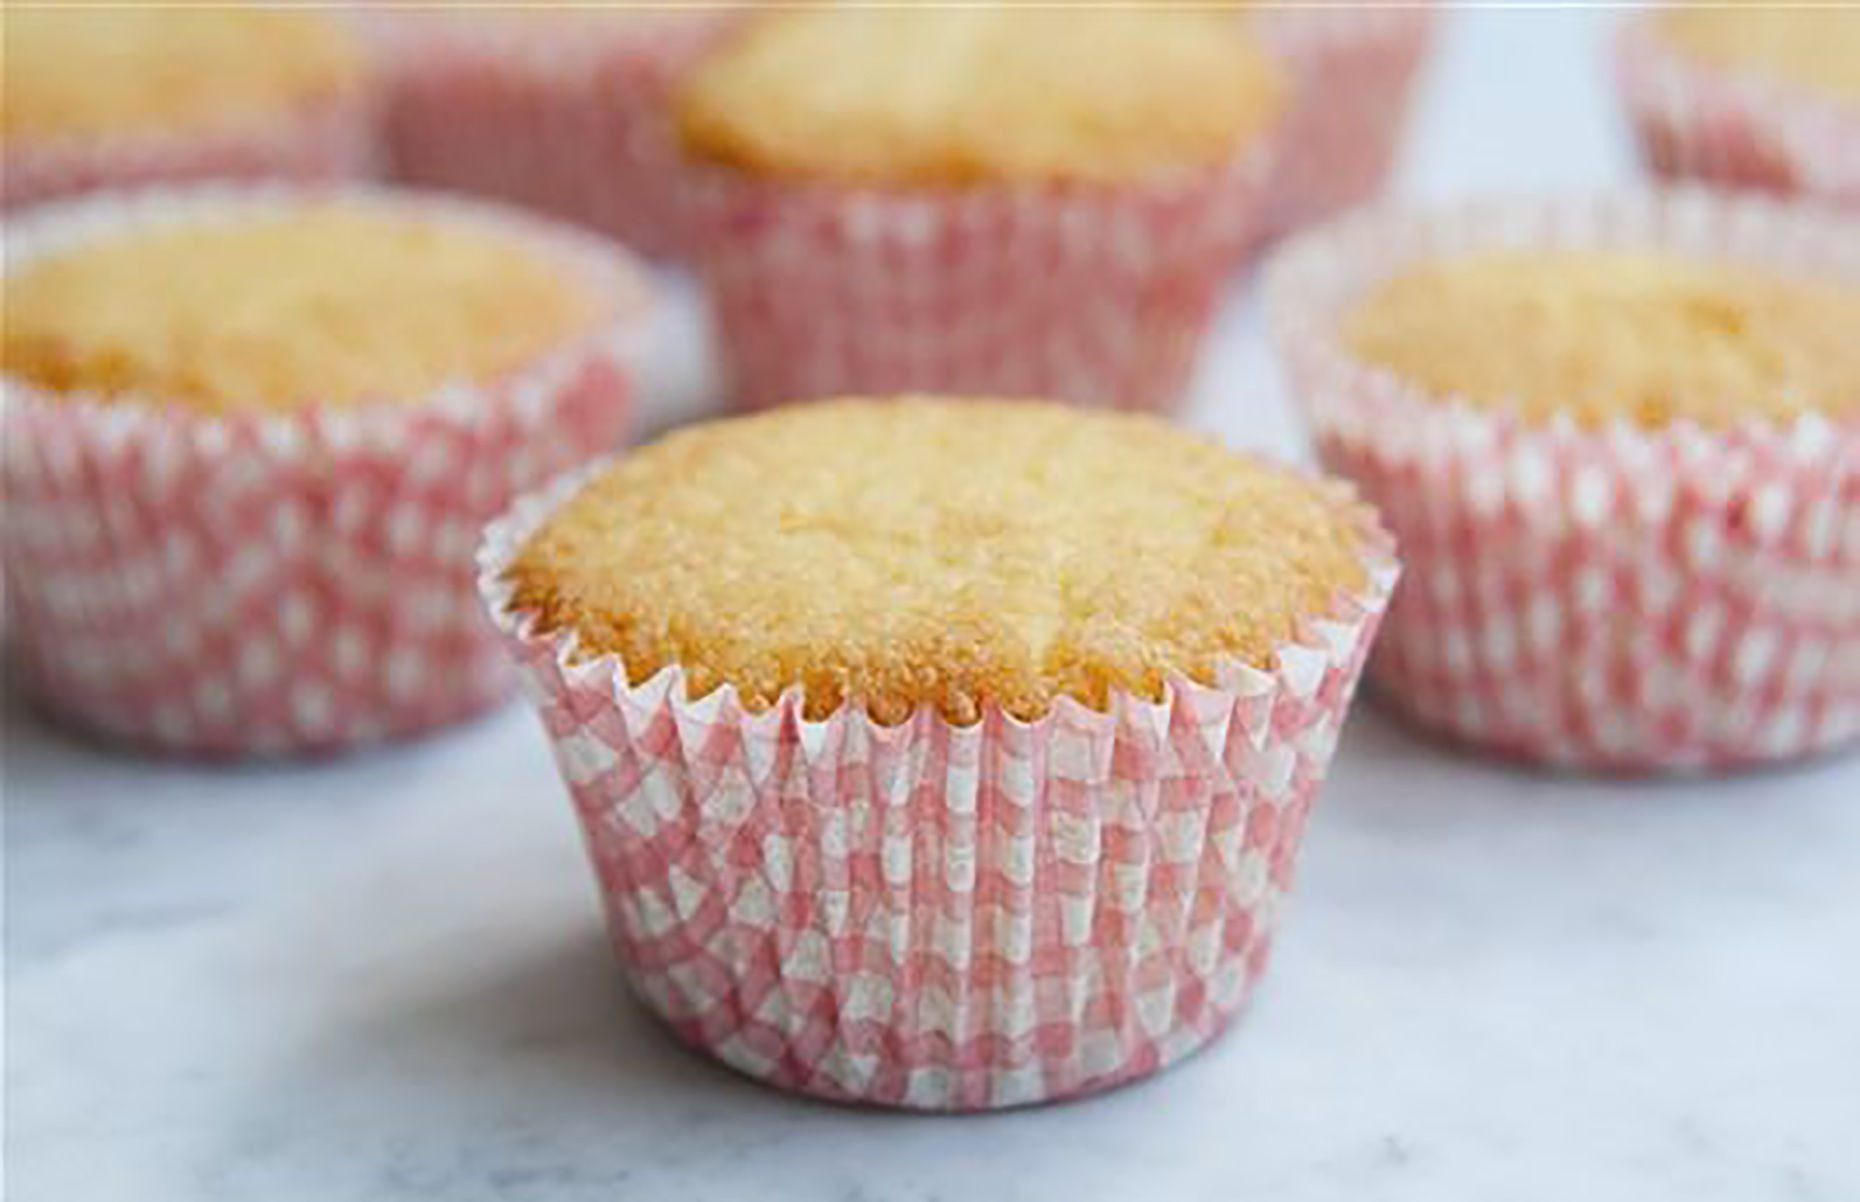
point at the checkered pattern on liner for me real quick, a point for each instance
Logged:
(1096, 295)
(1696, 120)
(938, 917)
(1621, 599)
(279, 583)
(330, 140)
(1353, 73)
(566, 116)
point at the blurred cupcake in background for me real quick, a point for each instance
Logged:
(252, 435)
(1619, 441)
(1355, 72)
(1019, 201)
(558, 109)
(946, 754)
(115, 96)
(1763, 96)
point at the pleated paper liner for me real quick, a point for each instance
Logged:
(940, 917)
(1622, 599)
(1695, 120)
(564, 113)
(1355, 72)
(1095, 294)
(285, 583)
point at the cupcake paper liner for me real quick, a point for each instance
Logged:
(1623, 598)
(565, 116)
(1354, 73)
(1699, 121)
(1095, 295)
(283, 583)
(931, 916)
(329, 139)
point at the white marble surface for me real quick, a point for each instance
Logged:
(385, 979)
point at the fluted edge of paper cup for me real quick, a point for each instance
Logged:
(1356, 72)
(936, 917)
(1701, 121)
(826, 289)
(287, 583)
(1621, 598)
(329, 138)
(589, 95)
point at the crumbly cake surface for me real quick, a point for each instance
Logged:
(1814, 48)
(949, 96)
(72, 72)
(328, 304)
(943, 553)
(1605, 337)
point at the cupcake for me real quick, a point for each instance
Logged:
(941, 754)
(1355, 71)
(1013, 201)
(252, 437)
(1619, 440)
(118, 96)
(560, 110)
(1760, 96)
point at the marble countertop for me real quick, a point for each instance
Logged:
(385, 979)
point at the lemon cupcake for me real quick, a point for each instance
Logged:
(1620, 442)
(564, 111)
(118, 96)
(1355, 72)
(252, 436)
(1763, 96)
(941, 754)
(1010, 200)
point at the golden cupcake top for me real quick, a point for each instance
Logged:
(1606, 336)
(936, 95)
(79, 72)
(1817, 49)
(326, 304)
(944, 553)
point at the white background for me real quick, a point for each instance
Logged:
(386, 979)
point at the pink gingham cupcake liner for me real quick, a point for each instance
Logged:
(331, 138)
(1699, 121)
(567, 116)
(283, 583)
(931, 916)
(1098, 295)
(1618, 599)
(1354, 72)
